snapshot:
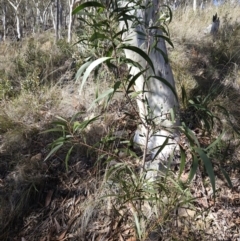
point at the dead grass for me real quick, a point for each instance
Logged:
(188, 26)
(203, 65)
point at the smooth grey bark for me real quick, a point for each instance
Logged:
(194, 5)
(4, 22)
(45, 15)
(57, 20)
(53, 17)
(70, 21)
(16, 9)
(160, 98)
(60, 17)
(37, 19)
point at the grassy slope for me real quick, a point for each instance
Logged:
(42, 200)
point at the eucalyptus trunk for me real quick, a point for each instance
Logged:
(194, 5)
(56, 20)
(4, 21)
(156, 101)
(70, 21)
(18, 24)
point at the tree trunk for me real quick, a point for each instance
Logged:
(159, 98)
(60, 19)
(19, 35)
(16, 7)
(70, 22)
(194, 5)
(53, 18)
(38, 18)
(57, 19)
(4, 21)
(45, 16)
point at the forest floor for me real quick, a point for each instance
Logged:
(68, 199)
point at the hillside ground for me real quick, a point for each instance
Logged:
(69, 198)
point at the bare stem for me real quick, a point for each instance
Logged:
(145, 149)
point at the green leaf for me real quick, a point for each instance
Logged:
(54, 150)
(183, 161)
(60, 140)
(166, 83)
(184, 95)
(113, 169)
(117, 85)
(87, 4)
(130, 62)
(223, 109)
(103, 95)
(165, 56)
(85, 123)
(226, 177)
(132, 153)
(91, 67)
(135, 94)
(193, 169)
(98, 36)
(161, 28)
(161, 147)
(76, 126)
(189, 134)
(82, 69)
(67, 158)
(62, 119)
(51, 130)
(167, 39)
(75, 116)
(208, 165)
(141, 33)
(137, 223)
(170, 12)
(103, 23)
(192, 102)
(141, 53)
(134, 78)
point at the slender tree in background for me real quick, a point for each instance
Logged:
(45, 15)
(194, 5)
(57, 20)
(60, 19)
(4, 13)
(70, 20)
(38, 19)
(15, 6)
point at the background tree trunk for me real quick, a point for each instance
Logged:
(194, 5)
(38, 18)
(18, 25)
(70, 21)
(4, 21)
(45, 16)
(56, 20)
(60, 19)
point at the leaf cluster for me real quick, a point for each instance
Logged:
(71, 134)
